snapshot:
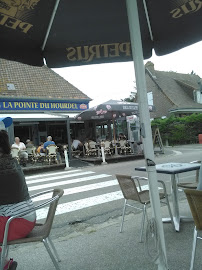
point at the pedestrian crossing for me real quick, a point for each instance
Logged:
(81, 189)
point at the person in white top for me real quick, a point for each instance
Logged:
(21, 146)
(77, 145)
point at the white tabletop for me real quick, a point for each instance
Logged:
(173, 168)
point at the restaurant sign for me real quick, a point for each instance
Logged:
(41, 105)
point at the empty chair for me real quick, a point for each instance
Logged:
(130, 192)
(41, 232)
(191, 185)
(194, 198)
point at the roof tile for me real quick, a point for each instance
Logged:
(35, 82)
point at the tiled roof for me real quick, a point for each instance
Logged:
(36, 82)
(177, 87)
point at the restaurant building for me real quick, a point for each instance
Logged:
(41, 103)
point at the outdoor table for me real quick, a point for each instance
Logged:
(174, 169)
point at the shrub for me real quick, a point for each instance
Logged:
(179, 130)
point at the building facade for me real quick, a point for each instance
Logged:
(40, 102)
(173, 93)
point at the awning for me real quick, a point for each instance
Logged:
(22, 117)
(7, 121)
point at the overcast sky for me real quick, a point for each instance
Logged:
(116, 81)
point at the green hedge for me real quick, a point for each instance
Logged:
(179, 130)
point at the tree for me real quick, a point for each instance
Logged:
(133, 96)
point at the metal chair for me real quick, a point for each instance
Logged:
(41, 232)
(194, 198)
(191, 185)
(130, 192)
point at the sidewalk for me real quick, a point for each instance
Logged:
(102, 247)
(78, 163)
(39, 167)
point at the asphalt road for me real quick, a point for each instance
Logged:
(92, 194)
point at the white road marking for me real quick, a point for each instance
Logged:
(177, 152)
(84, 203)
(49, 174)
(81, 204)
(75, 190)
(67, 182)
(77, 204)
(57, 177)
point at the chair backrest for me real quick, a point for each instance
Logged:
(51, 211)
(197, 171)
(86, 145)
(46, 226)
(92, 145)
(52, 149)
(194, 198)
(122, 143)
(31, 150)
(14, 152)
(107, 144)
(128, 187)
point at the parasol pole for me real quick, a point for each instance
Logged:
(146, 133)
(114, 135)
(50, 24)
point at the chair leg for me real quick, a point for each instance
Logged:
(143, 222)
(169, 210)
(4, 254)
(123, 215)
(193, 249)
(54, 249)
(51, 254)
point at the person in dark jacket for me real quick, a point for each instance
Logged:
(14, 197)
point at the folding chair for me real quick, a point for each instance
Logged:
(130, 192)
(194, 198)
(41, 232)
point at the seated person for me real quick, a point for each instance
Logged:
(14, 197)
(40, 149)
(29, 143)
(48, 142)
(21, 146)
(122, 136)
(77, 145)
